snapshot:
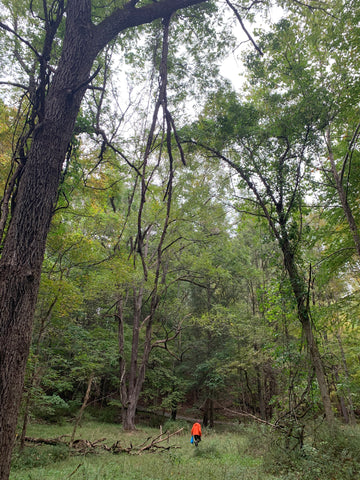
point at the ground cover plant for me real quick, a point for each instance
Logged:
(226, 453)
(221, 455)
(326, 454)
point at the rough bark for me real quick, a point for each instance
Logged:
(24, 245)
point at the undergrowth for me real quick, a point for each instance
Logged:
(327, 453)
(244, 453)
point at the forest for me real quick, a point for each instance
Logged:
(179, 222)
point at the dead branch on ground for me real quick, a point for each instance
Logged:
(81, 446)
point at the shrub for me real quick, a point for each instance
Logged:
(51, 408)
(39, 456)
(327, 453)
(174, 425)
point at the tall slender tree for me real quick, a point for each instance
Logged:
(272, 154)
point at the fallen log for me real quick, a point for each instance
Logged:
(154, 444)
(47, 441)
(82, 446)
(150, 445)
(249, 415)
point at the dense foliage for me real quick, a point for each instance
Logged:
(202, 259)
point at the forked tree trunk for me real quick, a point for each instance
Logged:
(128, 415)
(131, 381)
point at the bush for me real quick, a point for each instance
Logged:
(52, 408)
(327, 453)
(174, 425)
(39, 456)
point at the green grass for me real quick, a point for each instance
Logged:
(220, 456)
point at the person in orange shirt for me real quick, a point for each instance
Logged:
(196, 433)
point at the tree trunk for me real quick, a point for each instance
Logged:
(298, 284)
(129, 381)
(260, 391)
(211, 412)
(300, 293)
(343, 196)
(83, 406)
(173, 411)
(206, 413)
(24, 245)
(318, 366)
(128, 415)
(352, 419)
(342, 403)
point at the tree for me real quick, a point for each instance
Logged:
(59, 63)
(59, 94)
(272, 154)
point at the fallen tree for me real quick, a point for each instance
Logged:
(82, 446)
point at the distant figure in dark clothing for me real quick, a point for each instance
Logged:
(196, 433)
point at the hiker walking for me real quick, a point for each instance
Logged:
(196, 433)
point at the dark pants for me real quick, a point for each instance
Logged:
(197, 439)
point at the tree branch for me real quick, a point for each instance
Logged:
(129, 16)
(234, 9)
(19, 37)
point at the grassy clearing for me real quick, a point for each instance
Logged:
(220, 456)
(244, 453)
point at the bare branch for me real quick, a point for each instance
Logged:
(234, 9)
(350, 150)
(19, 37)
(14, 84)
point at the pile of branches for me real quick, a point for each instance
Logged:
(83, 447)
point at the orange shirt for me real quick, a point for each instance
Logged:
(196, 429)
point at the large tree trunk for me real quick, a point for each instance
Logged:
(130, 387)
(128, 415)
(24, 246)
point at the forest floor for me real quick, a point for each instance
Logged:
(222, 455)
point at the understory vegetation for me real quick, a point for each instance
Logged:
(227, 452)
